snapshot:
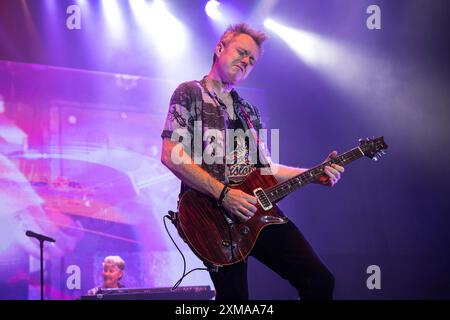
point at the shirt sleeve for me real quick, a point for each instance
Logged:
(180, 114)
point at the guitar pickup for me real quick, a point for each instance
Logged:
(262, 198)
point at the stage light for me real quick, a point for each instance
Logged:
(304, 44)
(168, 32)
(222, 15)
(113, 18)
(261, 11)
(212, 9)
(349, 67)
(141, 11)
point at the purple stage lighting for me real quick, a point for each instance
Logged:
(113, 17)
(212, 9)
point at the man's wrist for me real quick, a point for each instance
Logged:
(217, 188)
(223, 193)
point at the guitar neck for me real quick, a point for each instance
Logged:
(281, 190)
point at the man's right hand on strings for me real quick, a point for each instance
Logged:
(240, 204)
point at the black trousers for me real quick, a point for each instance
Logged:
(285, 250)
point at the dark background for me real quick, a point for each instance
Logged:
(393, 213)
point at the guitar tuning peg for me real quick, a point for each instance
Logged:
(375, 158)
(383, 152)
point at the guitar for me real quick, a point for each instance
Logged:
(219, 239)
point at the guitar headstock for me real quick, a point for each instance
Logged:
(373, 148)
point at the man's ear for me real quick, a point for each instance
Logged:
(219, 48)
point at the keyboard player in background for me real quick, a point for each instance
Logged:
(113, 272)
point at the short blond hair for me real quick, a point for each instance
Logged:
(241, 28)
(116, 260)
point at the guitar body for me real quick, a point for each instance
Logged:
(220, 240)
(213, 234)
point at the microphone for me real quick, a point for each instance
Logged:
(38, 236)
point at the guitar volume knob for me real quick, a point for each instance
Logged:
(225, 243)
(245, 230)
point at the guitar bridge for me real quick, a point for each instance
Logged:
(262, 198)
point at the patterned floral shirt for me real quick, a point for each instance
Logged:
(198, 121)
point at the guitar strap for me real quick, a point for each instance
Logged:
(261, 153)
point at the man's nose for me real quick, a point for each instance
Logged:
(245, 60)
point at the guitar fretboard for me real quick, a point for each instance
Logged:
(281, 190)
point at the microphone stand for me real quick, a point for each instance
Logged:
(41, 244)
(41, 239)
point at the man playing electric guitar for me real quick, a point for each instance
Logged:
(213, 105)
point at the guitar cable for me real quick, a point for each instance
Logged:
(172, 216)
